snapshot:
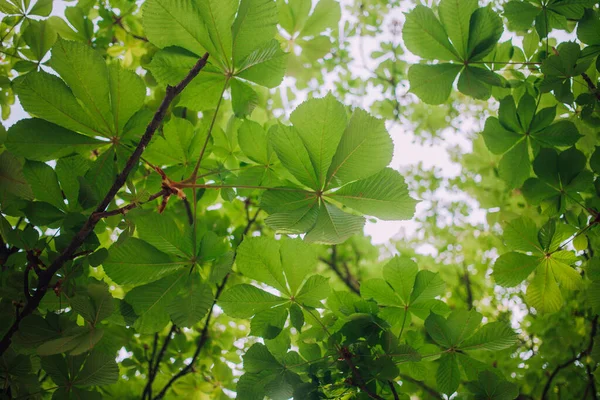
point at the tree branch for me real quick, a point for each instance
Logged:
(123, 210)
(199, 346)
(204, 334)
(591, 85)
(572, 359)
(393, 389)
(333, 264)
(421, 384)
(153, 368)
(47, 275)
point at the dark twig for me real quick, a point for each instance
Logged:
(123, 210)
(469, 289)
(46, 277)
(199, 345)
(393, 389)
(423, 386)
(591, 383)
(153, 366)
(591, 85)
(578, 357)
(347, 279)
(203, 338)
(357, 379)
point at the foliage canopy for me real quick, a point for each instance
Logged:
(182, 210)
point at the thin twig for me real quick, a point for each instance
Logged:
(333, 264)
(154, 368)
(204, 334)
(123, 210)
(421, 384)
(393, 389)
(578, 357)
(46, 277)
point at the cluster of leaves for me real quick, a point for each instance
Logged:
(133, 307)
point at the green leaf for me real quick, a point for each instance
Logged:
(401, 274)
(297, 268)
(181, 19)
(491, 386)
(448, 374)
(433, 83)
(258, 258)
(294, 155)
(44, 183)
(456, 16)
(99, 369)
(174, 146)
(46, 96)
(462, 324)
(255, 24)
(12, 180)
(320, 124)
(383, 195)
(543, 293)
(95, 304)
(84, 70)
(498, 139)
(424, 36)
(127, 95)
(170, 65)
(493, 336)
(515, 165)
(265, 66)
(244, 98)
(162, 232)
(512, 268)
(521, 234)
(136, 262)
(561, 133)
(291, 211)
(315, 289)
(150, 302)
(485, 30)
(40, 37)
(258, 359)
(244, 301)
(520, 15)
(437, 327)
(268, 324)
(427, 286)
(326, 15)
(334, 225)
(254, 142)
(38, 140)
(192, 303)
(73, 341)
(364, 149)
(218, 15)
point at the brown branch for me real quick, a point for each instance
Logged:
(153, 366)
(422, 385)
(357, 379)
(578, 357)
(199, 346)
(47, 275)
(591, 85)
(591, 383)
(393, 389)
(347, 279)
(123, 210)
(469, 289)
